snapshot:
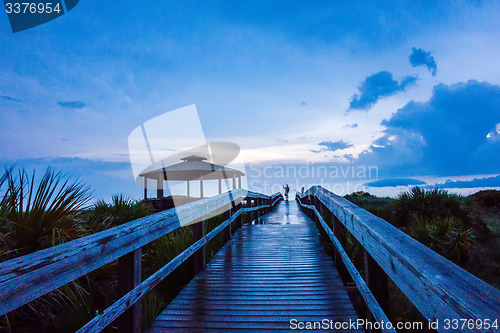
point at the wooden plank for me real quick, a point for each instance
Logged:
(436, 286)
(264, 276)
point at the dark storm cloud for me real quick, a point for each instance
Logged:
(420, 57)
(377, 86)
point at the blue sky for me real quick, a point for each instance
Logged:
(411, 87)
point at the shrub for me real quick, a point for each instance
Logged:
(38, 214)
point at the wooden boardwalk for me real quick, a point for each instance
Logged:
(267, 274)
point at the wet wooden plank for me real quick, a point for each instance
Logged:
(268, 274)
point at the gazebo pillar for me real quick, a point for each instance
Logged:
(187, 188)
(234, 182)
(239, 181)
(220, 185)
(145, 188)
(201, 187)
(159, 188)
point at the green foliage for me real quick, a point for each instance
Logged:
(159, 252)
(375, 205)
(152, 305)
(38, 214)
(426, 205)
(446, 236)
(489, 199)
(464, 230)
(63, 310)
(120, 210)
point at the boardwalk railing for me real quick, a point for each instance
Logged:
(438, 288)
(26, 278)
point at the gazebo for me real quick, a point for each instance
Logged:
(191, 168)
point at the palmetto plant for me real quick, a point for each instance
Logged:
(103, 215)
(447, 235)
(38, 214)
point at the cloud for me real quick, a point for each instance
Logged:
(447, 135)
(476, 182)
(332, 146)
(72, 104)
(351, 125)
(495, 134)
(419, 57)
(394, 182)
(9, 98)
(377, 86)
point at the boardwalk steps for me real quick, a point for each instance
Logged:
(269, 273)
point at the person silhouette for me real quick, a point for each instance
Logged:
(287, 189)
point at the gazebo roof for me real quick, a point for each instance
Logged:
(193, 167)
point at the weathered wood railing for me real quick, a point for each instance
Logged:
(439, 289)
(26, 278)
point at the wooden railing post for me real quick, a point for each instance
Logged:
(314, 217)
(238, 219)
(259, 211)
(377, 281)
(249, 205)
(199, 257)
(227, 230)
(341, 233)
(309, 213)
(129, 277)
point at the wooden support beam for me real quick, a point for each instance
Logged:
(341, 233)
(249, 205)
(129, 277)
(159, 188)
(227, 230)
(199, 257)
(377, 281)
(238, 219)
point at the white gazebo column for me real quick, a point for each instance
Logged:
(239, 181)
(145, 188)
(201, 187)
(187, 188)
(234, 182)
(220, 185)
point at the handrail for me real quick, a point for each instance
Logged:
(26, 278)
(438, 288)
(371, 302)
